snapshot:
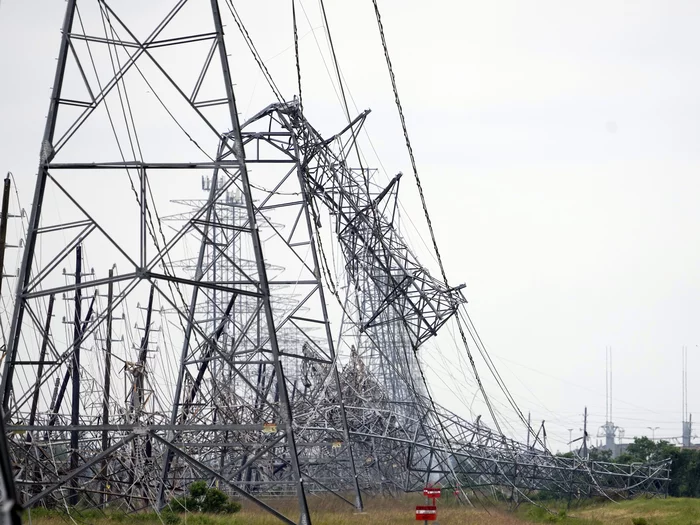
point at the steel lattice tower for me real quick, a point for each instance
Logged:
(229, 391)
(230, 371)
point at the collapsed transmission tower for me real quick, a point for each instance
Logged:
(402, 438)
(145, 354)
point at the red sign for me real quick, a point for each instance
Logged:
(431, 492)
(426, 512)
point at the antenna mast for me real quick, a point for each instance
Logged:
(687, 419)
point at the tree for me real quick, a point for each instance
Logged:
(599, 454)
(685, 464)
(685, 473)
(644, 450)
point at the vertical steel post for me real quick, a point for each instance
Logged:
(137, 395)
(107, 380)
(3, 228)
(75, 390)
(585, 433)
(142, 220)
(529, 430)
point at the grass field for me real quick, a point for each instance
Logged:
(326, 511)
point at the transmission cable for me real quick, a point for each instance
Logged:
(335, 59)
(254, 51)
(423, 202)
(296, 54)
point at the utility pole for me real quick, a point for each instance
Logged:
(75, 372)
(529, 429)
(585, 433)
(570, 438)
(3, 225)
(107, 379)
(653, 431)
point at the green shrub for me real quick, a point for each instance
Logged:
(198, 489)
(639, 521)
(204, 499)
(214, 500)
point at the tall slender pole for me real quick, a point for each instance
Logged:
(607, 387)
(137, 395)
(653, 433)
(544, 435)
(683, 380)
(3, 227)
(585, 433)
(107, 380)
(75, 392)
(611, 387)
(529, 430)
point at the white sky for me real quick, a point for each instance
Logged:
(557, 143)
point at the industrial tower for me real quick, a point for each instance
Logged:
(687, 425)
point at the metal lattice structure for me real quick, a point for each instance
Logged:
(201, 347)
(402, 438)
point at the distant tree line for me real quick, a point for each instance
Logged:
(685, 463)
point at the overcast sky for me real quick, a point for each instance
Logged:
(558, 146)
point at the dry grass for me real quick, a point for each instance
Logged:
(380, 511)
(671, 511)
(386, 511)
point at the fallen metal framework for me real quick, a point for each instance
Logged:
(231, 372)
(391, 308)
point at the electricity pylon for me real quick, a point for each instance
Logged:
(222, 395)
